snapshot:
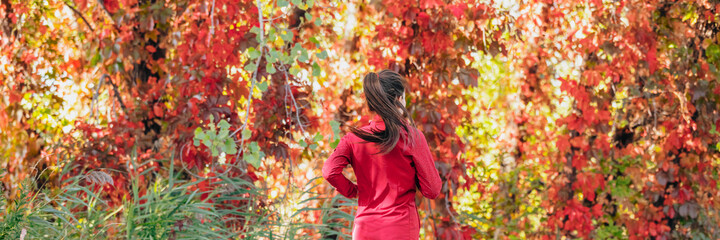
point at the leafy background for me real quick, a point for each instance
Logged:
(212, 119)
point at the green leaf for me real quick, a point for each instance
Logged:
(313, 39)
(334, 143)
(282, 3)
(95, 59)
(316, 70)
(254, 155)
(274, 55)
(270, 68)
(335, 125)
(308, 16)
(255, 30)
(199, 135)
(322, 55)
(246, 134)
(304, 56)
(302, 143)
(294, 70)
(230, 146)
(254, 147)
(272, 34)
(318, 137)
(254, 53)
(313, 146)
(223, 133)
(223, 124)
(318, 22)
(287, 35)
(263, 86)
(250, 67)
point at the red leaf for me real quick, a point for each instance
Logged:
(652, 59)
(458, 10)
(150, 49)
(157, 110)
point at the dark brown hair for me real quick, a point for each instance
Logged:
(382, 91)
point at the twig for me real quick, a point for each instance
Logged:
(80, 15)
(431, 218)
(115, 24)
(297, 109)
(117, 93)
(95, 97)
(253, 80)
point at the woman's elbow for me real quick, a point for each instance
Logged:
(432, 192)
(326, 175)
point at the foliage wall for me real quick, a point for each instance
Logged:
(171, 119)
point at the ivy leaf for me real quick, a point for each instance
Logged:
(335, 125)
(298, 3)
(224, 131)
(294, 70)
(251, 67)
(254, 53)
(246, 134)
(318, 137)
(304, 56)
(230, 146)
(287, 35)
(256, 30)
(272, 35)
(199, 135)
(214, 152)
(254, 155)
(270, 69)
(274, 55)
(322, 55)
(263, 86)
(223, 124)
(334, 143)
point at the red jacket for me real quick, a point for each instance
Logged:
(385, 183)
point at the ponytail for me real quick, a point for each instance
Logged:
(381, 93)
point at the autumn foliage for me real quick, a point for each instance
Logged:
(547, 119)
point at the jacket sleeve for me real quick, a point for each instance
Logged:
(333, 168)
(427, 175)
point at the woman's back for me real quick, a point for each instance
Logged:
(385, 182)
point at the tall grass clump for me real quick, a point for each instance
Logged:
(166, 205)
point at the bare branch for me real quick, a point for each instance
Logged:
(117, 93)
(108, 14)
(80, 15)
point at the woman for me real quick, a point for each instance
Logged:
(390, 158)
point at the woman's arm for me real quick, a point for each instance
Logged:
(427, 175)
(334, 165)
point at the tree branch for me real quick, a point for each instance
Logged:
(117, 93)
(115, 24)
(80, 15)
